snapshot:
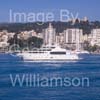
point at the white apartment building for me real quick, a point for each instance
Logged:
(95, 37)
(60, 39)
(49, 35)
(73, 36)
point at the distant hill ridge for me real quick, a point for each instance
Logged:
(59, 26)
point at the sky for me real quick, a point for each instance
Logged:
(88, 8)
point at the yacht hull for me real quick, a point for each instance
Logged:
(36, 57)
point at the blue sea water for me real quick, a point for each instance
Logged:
(88, 67)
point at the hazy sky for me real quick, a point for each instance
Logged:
(89, 8)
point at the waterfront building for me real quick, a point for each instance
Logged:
(3, 44)
(4, 35)
(95, 37)
(57, 39)
(60, 39)
(11, 35)
(49, 35)
(27, 34)
(73, 37)
(40, 35)
(32, 33)
(85, 37)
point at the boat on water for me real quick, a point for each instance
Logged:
(51, 53)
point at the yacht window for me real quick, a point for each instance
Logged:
(57, 52)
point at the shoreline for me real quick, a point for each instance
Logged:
(7, 52)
